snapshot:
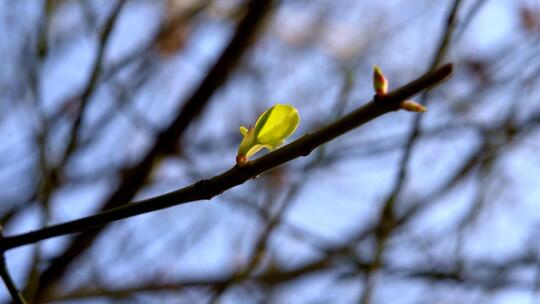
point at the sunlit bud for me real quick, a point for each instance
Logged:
(380, 83)
(271, 130)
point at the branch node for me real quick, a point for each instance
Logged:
(305, 151)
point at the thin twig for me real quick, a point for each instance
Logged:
(387, 219)
(415, 132)
(16, 295)
(206, 189)
(467, 278)
(92, 82)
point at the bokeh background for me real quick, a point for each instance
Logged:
(438, 208)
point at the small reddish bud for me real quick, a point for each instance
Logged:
(380, 83)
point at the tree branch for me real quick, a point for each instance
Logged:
(88, 91)
(387, 218)
(16, 295)
(206, 189)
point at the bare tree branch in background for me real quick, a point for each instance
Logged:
(135, 177)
